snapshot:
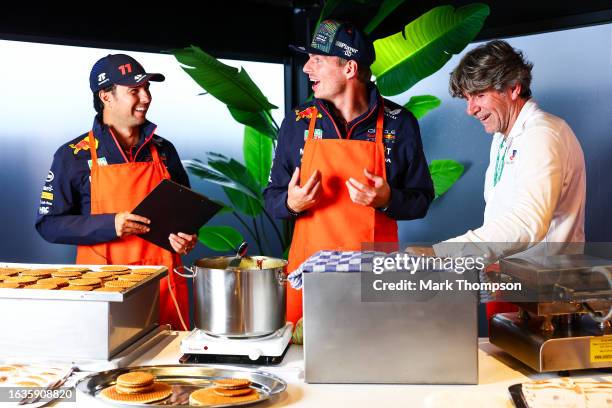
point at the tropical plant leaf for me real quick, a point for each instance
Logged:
(245, 203)
(420, 105)
(257, 150)
(258, 120)
(206, 172)
(221, 239)
(425, 45)
(387, 7)
(333, 8)
(228, 84)
(225, 209)
(234, 170)
(444, 174)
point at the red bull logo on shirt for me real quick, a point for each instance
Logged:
(82, 145)
(306, 113)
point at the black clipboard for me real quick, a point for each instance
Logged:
(174, 208)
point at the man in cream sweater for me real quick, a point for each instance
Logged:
(535, 185)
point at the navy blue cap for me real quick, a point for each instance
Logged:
(119, 69)
(340, 39)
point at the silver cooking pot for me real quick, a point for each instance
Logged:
(244, 301)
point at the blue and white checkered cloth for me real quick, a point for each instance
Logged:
(334, 261)
(352, 261)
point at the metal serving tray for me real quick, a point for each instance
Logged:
(184, 380)
(62, 325)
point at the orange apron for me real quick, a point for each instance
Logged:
(335, 222)
(120, 187)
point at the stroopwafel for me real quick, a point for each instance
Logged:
(47, 286)
(159, 392)
(85, 282)
(232, 383)
(207, 396)
(119, 284)
(22, 280)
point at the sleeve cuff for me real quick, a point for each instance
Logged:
(290, 211)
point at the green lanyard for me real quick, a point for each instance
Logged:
(500, 160)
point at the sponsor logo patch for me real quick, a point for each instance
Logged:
(306, 114)
(101, 162)
(82, 145)
(46, 196)
(318, 134)
(43, 210)
(50, 177)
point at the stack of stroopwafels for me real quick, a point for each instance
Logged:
(137, 387)
(225, 391)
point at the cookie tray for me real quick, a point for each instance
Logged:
(184, 379)
(67, 326)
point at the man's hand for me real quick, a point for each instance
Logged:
(302, 198)
(130, 224)
(182, 243)
(375, 196)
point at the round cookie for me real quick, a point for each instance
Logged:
(60, 282)
(207, 396)
(119, 284)
(79, 269)
(85, 282)
(232, 383)
(159, 392)
(22, 280)
(39, 273)
(145, 271)
(10, 271)
(66, 274)
(132, 277)
(38, 285)
(225, 392)
(114, 268)
(135, 379)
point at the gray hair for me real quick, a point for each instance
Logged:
(494, 65)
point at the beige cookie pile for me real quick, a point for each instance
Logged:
(225, 391)
(137, 387)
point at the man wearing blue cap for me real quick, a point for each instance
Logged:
(348, 163)
(98, 178)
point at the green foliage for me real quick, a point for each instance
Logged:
(387, 7)
(222, 239)
(231, 86)
(444, 174)
(420, 105)
(257, 150)
(425, 45)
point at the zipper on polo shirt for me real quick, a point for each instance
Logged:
(348, 131)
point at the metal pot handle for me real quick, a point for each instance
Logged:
(194, 272)
(608, 316)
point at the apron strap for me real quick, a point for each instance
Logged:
(154, 153)
(380, 146)
(313, 122)
(92, 150)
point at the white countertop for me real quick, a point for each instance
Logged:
(497, 371)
